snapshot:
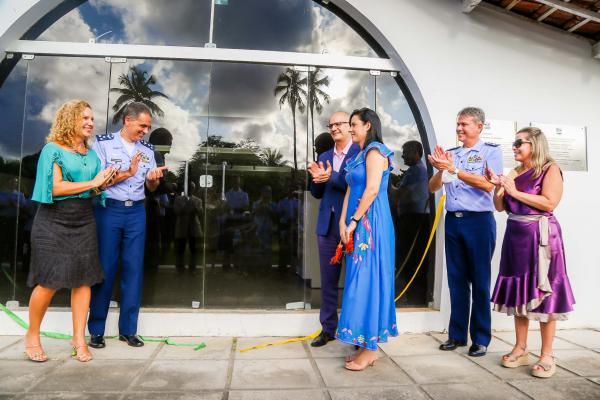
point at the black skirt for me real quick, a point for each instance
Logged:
(64, 246)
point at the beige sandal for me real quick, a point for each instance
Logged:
(352, 357)
(81, 356)
(511, 360)
(354, 366)
(545, 370)
(38, 356)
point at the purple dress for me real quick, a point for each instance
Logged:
(533, 280)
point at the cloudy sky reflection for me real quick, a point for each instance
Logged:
(235, 101)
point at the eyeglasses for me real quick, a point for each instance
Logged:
(519, 142)
(336, 124)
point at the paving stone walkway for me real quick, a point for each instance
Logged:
(409, 367)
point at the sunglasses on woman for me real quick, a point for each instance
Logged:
(519, 142)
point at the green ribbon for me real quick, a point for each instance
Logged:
(57, 335)
(169, 342)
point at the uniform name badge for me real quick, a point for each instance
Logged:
(116, 162)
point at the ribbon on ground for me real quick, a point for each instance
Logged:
(438, 215)
(169, 342)
(298, 339)
(57, 335)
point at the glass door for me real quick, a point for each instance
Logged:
(15, 203)
(256, 154)
(177, 92)
(51, 81)
(330, 90)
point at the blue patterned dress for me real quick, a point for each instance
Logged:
(368, 309)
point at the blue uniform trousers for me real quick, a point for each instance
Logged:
(330, 277)
(470, 243)
(121, 232)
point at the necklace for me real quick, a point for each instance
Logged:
(81, 154)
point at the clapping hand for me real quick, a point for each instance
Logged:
(135, 161)
(319, 173)
(440, 159)
(508, 183)
(156, 173)
(492, 177)
(104, 178)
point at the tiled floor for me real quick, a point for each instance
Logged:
(409, 367)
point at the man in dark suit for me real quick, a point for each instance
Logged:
(329, 184)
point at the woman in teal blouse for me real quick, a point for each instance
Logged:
(64, 252)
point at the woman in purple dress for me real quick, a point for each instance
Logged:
(532, 283)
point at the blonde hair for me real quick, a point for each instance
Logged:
(540, 151)
(67, 123)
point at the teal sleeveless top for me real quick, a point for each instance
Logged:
(75, 168)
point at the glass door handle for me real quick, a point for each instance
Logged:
(223, 181)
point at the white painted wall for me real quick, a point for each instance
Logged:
(514, 70)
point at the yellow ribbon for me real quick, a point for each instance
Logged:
(438, 215)
(298, 339)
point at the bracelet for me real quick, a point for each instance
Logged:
(355, 220)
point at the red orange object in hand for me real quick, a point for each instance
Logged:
(339, 250)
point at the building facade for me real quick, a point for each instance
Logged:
(233, 140)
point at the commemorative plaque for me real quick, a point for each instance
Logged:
(501, 133)
(568, 145)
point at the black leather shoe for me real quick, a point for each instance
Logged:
(132, 340)
(477, 350)
(451, 344)
(97, 341)
(322, 339)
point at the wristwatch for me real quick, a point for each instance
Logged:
(355, 220)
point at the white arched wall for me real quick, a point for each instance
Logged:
(514, 69)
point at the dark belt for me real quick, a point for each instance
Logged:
(461, 214)
(126, 203)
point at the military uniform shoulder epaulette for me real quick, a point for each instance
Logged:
(108, 136)
(148, 145)
(454, 148)
(492, 144)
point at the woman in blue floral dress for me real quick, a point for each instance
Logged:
(368, 310)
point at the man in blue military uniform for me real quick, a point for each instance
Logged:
(121, 222)
(470, 229)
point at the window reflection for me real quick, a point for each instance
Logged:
(156, 22)
(251, 228)
(253, 219)
(50, 82)
(177, 92)
(15, 208)
(339, 90)
(408, 193)
(293, 25)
